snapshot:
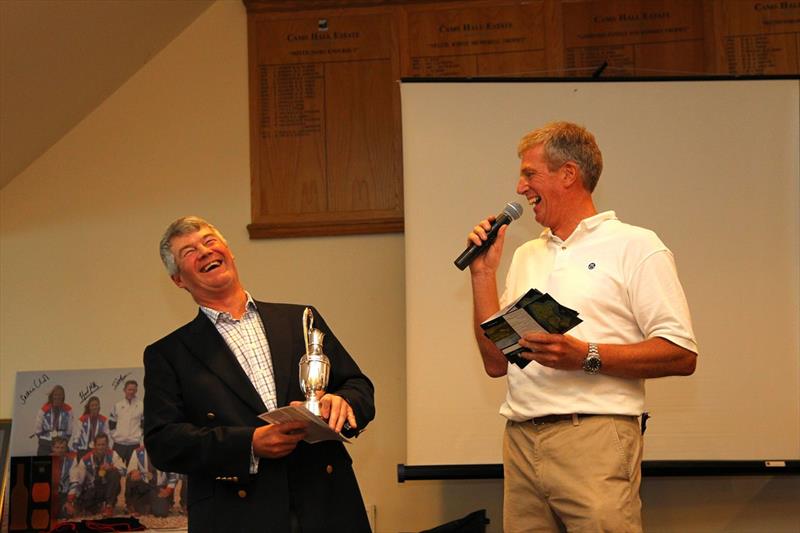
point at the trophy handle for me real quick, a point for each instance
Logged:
(308, 325)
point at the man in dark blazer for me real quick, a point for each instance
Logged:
(207, 382)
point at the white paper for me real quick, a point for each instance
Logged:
(522, 322)
(317, 430)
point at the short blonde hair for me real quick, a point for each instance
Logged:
(565, 141)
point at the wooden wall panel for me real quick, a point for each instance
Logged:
(757, 37)
(325, 123)
(363, 139)
(291, 160)
(326, 151)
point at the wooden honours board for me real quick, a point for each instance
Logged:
(325, 124)
(326, 155)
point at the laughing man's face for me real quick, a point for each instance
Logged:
(206, 266)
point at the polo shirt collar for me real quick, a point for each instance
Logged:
(584, 226)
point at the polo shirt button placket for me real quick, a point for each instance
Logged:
(561, 254)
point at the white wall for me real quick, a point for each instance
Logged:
(81, 285)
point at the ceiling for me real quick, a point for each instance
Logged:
(60, 59)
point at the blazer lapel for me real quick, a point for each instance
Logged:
(205, 343)
(278, 328)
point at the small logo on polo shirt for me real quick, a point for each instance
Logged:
(591, 266)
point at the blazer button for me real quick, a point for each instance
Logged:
(329, 469)
(211, 416)
(242, 493)
(235, 479)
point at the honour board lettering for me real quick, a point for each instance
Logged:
(504, 39)
(633, 37)
(758, 38)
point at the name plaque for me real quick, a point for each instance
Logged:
(480, 40)
(633, 37)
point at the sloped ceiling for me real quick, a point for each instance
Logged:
(59, 59)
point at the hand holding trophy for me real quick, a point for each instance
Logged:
(314, 365)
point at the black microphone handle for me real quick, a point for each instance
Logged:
(473, 251)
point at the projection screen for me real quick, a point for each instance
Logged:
(711, 166)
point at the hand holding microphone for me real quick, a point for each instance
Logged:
(511, 212)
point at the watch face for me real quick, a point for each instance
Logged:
(592, 365)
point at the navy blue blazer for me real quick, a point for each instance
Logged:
(200, 412)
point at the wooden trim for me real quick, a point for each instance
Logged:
(260, 6)
(300, 229)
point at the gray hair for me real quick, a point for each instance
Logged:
(182, 226)
(565, 141)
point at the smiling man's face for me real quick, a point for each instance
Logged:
(206, 266)
(542, 187)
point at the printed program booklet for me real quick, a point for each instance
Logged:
(533, 311)
(317, 430)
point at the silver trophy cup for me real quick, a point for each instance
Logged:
(314, 365)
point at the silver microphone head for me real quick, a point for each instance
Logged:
(513, 210)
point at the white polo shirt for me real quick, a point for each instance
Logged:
(622, 281)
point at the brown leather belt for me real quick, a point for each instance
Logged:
(549, 419)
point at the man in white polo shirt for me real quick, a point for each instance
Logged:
(572, 448)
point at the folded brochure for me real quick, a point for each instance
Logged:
(533, 311)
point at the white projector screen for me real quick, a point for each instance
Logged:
(711, 166)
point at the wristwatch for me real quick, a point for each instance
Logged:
(592, 364)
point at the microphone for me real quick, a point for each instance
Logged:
(512, 211)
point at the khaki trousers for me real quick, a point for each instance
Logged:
(579, 475)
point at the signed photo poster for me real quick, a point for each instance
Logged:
(50, 403)
(87, 424)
